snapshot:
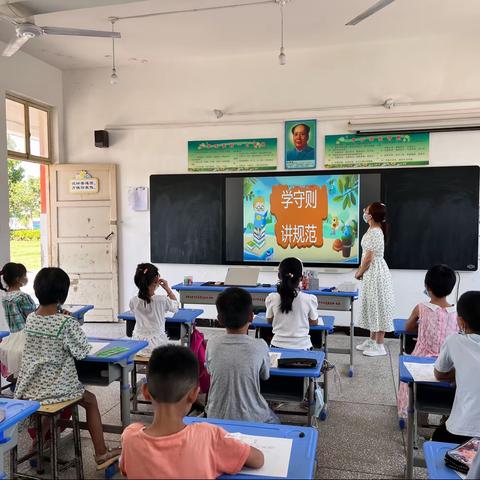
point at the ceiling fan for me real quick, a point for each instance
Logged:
(370, 11)
(27, 30)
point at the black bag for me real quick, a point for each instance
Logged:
(297, 363)
(461, 457)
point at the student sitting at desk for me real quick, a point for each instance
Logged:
(434, 321)
(168, 448)
(290, 311)
(17, 305)
(53, 342)
(150, 309)
(237, 362)
(459, 362)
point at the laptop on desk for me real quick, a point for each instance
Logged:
(242, 277)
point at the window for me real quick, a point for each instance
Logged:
(28, 130)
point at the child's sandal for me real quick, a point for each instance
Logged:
(109, 457)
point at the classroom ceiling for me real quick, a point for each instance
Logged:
(237, 31)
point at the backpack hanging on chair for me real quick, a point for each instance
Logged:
(198, 345)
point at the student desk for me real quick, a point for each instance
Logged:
(327, 328)
(276, 389)
(304, 445)
(435, 459)
(399, 331)
(183, 319)
(200, 294)
(15, 412)
(78, 311)
(417, 401)
(4, 333)
(102, 371)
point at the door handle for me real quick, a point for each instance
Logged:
(109, 235)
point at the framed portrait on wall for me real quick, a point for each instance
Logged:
(300, 144)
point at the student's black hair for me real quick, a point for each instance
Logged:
(290, 273)
(440, 280)
(234, 306)
(172, 373)
(11, 273)
(145, 275)
(51, 286)
(468, 307)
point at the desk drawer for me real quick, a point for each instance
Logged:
(98, 373)
(278, 388)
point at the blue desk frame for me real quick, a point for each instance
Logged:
(435, 459)
(399, 331)
(327, 328)
(308, 373)
(304, 445)
(78, 311)
(105, 370)
(407, 378)
(186, 317)
(199, 294)
(15, 412)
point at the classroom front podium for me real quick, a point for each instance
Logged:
(328, 299)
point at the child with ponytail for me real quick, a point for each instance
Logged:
(290, 311)
(17, 306)
(150, 309)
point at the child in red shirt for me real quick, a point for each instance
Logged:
(168, 448)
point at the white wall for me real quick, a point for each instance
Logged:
(31, 78)
(173, 92)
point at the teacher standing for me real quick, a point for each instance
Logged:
(377, 300)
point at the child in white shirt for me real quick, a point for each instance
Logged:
(290, 311)
(150, 309)
(459, 362)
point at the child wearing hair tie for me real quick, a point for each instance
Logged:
(150, 309)
(290, 311)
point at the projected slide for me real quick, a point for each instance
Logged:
(314, 218)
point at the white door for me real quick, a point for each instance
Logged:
(83, 233)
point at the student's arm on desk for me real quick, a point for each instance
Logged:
(445, 376)
(255, 458)
(412, 322)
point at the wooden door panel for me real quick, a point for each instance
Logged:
(83, 221)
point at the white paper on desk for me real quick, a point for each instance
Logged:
(276, 452)
(274, 357)
(421, 372)
(320, 321)
(95, 347)
(463, 476)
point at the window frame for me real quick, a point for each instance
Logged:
(27, 155)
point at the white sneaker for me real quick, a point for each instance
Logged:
(365, 345)
(376, 350)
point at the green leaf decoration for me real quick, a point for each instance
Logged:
(346, 202)
(337, 198)
(340, 185)
(347, 182)
(352, 198)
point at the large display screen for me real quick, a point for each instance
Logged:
(312, 217)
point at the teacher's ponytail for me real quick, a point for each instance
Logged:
(290, 273)
(378, 211)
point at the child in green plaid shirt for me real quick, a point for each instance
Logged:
(17, 306)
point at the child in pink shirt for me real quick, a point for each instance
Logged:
(434, 321)
(168, 448)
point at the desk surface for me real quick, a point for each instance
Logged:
(184, 315)
(16, 411)
(133, 346)
(77, 311)
(260, 321)
(435, 459)
(399, 327)
(302, 459)
(4, 333)
(316, 372)
(199, 287)
(405, 375)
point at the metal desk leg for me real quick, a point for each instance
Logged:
(402, 343)
(185, 335)
(134, 395)
(311, 401)
(125, 395)
(352, 333)
(410, 432)
(324, 412)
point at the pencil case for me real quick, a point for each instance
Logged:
(297, 363)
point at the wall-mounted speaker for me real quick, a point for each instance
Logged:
(101, 138)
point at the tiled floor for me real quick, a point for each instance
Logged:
(360, 438)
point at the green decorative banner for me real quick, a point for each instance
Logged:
(232, 155)
(391, 150)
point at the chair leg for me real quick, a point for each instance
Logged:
(77, 442)
(39, 440)
(13, 462)
(134, 387)
(53, 447)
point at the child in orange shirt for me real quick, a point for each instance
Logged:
(168, 448)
